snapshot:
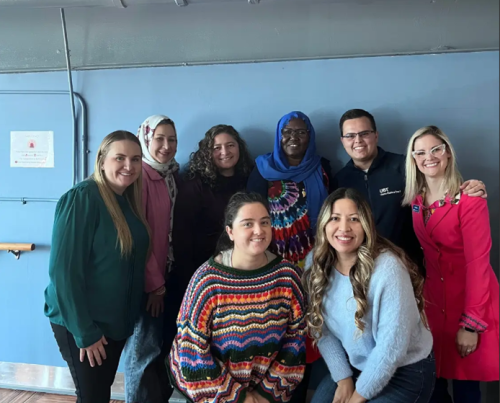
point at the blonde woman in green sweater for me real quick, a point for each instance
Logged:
(99, 246)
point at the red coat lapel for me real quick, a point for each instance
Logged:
(437, 217)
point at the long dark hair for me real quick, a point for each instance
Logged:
(237, 201)
(201, 163)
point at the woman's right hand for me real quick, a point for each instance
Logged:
(95, 353)
(345, 390)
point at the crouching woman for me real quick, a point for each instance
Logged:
(241, 327)
(366, 310)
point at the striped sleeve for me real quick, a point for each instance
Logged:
(197, 373)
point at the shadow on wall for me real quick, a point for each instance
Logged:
(259, 141)
(393, 131)
(328, 143)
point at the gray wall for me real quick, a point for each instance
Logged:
(234, 31)
(458, 92)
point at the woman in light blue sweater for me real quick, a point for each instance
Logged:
(366, 310)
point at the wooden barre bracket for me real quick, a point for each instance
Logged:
(17, 248)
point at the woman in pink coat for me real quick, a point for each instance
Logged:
(461, 289)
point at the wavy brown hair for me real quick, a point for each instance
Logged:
(316, 279)
(201, 163)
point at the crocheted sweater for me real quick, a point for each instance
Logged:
(240, 331)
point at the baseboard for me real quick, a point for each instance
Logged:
(56, 380)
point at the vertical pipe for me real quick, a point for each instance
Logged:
(71, 95)
(84, 152)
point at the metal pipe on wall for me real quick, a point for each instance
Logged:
(83, 152)
(71, 92)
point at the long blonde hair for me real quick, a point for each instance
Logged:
(133, 193)
(415, 180)
(316, 279)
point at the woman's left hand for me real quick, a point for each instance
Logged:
(474, 188)
(357, 398)
(466, 342)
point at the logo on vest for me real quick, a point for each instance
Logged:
(416, 208)
(386, 191)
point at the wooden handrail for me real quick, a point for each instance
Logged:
(17, 246)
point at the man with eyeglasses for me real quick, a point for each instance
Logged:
(380, 176)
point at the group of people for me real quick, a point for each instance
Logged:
(227, 282)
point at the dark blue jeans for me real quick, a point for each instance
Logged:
(463, 392)
(412, 383)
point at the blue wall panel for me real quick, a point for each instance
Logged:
(458, 92)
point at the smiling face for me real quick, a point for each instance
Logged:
(251, 230)
(362, 148)
(122, 165)
(164, 144)
(295, 141)
(226, 153)
(431, 156)
(344, 231)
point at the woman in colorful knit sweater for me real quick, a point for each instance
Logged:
(241, 327)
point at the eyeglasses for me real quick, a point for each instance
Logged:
(437, 151)
(362, 135)
(301, 133)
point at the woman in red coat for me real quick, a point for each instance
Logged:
(461, 289)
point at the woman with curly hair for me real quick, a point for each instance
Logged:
(217, 170)
(366, 310)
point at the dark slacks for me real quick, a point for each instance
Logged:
(93, 385)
